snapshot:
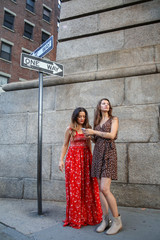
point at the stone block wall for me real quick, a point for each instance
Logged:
(108, 49)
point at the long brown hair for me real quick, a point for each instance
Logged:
(74, 121)
(98, 114)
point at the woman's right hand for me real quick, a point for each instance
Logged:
(61, 165)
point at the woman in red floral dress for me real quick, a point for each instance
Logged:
(83, 205)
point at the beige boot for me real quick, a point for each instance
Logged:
(116, 226)
(106, 222)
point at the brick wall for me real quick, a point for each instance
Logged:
(16, 36)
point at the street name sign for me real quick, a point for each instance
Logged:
(45, 48)
(41, 65)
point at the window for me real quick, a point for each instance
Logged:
(6, 51)
(3, 80)
(45, 36)
(46, 14)
(59, 4)
(26, 51)
(23, 51)
(8, 20)
(58, 23)
(28, 30)
(30, 5)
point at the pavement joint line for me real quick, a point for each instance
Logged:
(4, 224)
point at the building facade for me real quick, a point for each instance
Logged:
(24, 26)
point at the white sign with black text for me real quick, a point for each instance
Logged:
(41, 65)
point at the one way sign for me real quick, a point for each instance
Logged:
(41, 65)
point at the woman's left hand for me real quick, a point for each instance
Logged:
(88, 131)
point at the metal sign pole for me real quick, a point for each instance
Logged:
(39, 151)
(49, 67)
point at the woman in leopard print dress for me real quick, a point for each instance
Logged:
(104, 163)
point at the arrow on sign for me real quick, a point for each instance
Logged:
(41, 65)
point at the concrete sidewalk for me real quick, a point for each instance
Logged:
(19, 221)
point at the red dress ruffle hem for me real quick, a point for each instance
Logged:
(83, 205)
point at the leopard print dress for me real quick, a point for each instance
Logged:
(104, 162)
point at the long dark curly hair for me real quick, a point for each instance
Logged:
(74, 119)
(98, 113)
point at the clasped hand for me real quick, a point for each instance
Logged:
(87, 132)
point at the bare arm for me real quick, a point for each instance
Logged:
(64, 148)
(89, 144)
(93, 139)
(110, 135)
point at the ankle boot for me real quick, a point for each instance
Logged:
(106, 222)
(116, 226)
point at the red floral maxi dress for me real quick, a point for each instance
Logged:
(82, 193)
